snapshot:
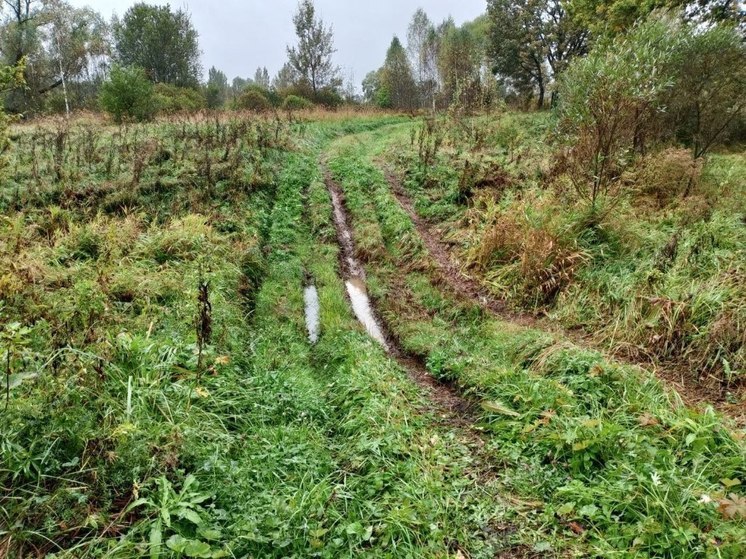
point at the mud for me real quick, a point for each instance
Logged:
(452, 407)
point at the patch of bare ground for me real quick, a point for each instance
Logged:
(694, 392)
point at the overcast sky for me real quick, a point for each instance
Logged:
(237, 36)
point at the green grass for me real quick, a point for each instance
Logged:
(117, 444)
(660, 277)
(604, 447)
(120, 440)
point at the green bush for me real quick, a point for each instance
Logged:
(296, 103)
(128, 95)
(328, 98)
(171, 99)
(253, 100)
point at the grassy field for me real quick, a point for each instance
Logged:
(162, 398)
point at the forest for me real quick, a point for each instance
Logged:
(488, 303)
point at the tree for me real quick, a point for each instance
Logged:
(60, 44)
(532, 41)
(627, 94)
(612, 17)
(709, 92)
(422, 47)
(396, 78)
(128, 95)
(286, 78)
(372, 88)
(261, 78)
(460, 64)
(162, 42)
(216, 92)
(312, 57)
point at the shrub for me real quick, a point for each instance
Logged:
(296, 103)
(627, 96)
(709, 96)
(608, 100)
(171, 99)
(328, 98)
(128, 95)
(253, 100)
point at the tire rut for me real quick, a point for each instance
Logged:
(452, 406)
(473, 291)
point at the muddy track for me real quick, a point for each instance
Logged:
(453, 409)
(472, 290)
(448, 402)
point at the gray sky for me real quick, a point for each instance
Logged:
(237, 36)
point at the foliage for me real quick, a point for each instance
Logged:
(293, 103)
(460, 63)
(253, 100)
(608, 101)
(162, 42)
(170, 99)
(311, 59)
(60, 44)
(396, 80)
(216, 90)
(531, 41)
(613, 17)
(128, 94)
(422, 47)
(709, 93)
(613, 101)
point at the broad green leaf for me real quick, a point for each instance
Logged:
(190, 515)
(588, 510)
(195, 548)
(177, 543)
(210, 534)
(156, 538)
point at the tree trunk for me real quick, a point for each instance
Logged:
(540, 100)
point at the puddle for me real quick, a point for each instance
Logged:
(311, 298)
(353, 271)
(363, 310)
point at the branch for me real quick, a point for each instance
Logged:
(49, 88)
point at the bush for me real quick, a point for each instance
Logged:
(708, 99)
(253, 100)
(328, 98)
(171, 99)
(296, 103)
(128, 95)
(608, 100)
(629, 95)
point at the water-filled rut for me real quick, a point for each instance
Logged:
(446, 398)
(313, 308)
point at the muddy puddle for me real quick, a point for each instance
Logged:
(354, 275)
(363, 310)
(311, 299)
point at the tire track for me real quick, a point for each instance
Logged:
(472, 290)
(449, 403)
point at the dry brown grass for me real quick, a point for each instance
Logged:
(665, 176)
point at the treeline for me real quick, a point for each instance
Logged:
(519, 49)
(62, 58)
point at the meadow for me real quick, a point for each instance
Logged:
(552, 385)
